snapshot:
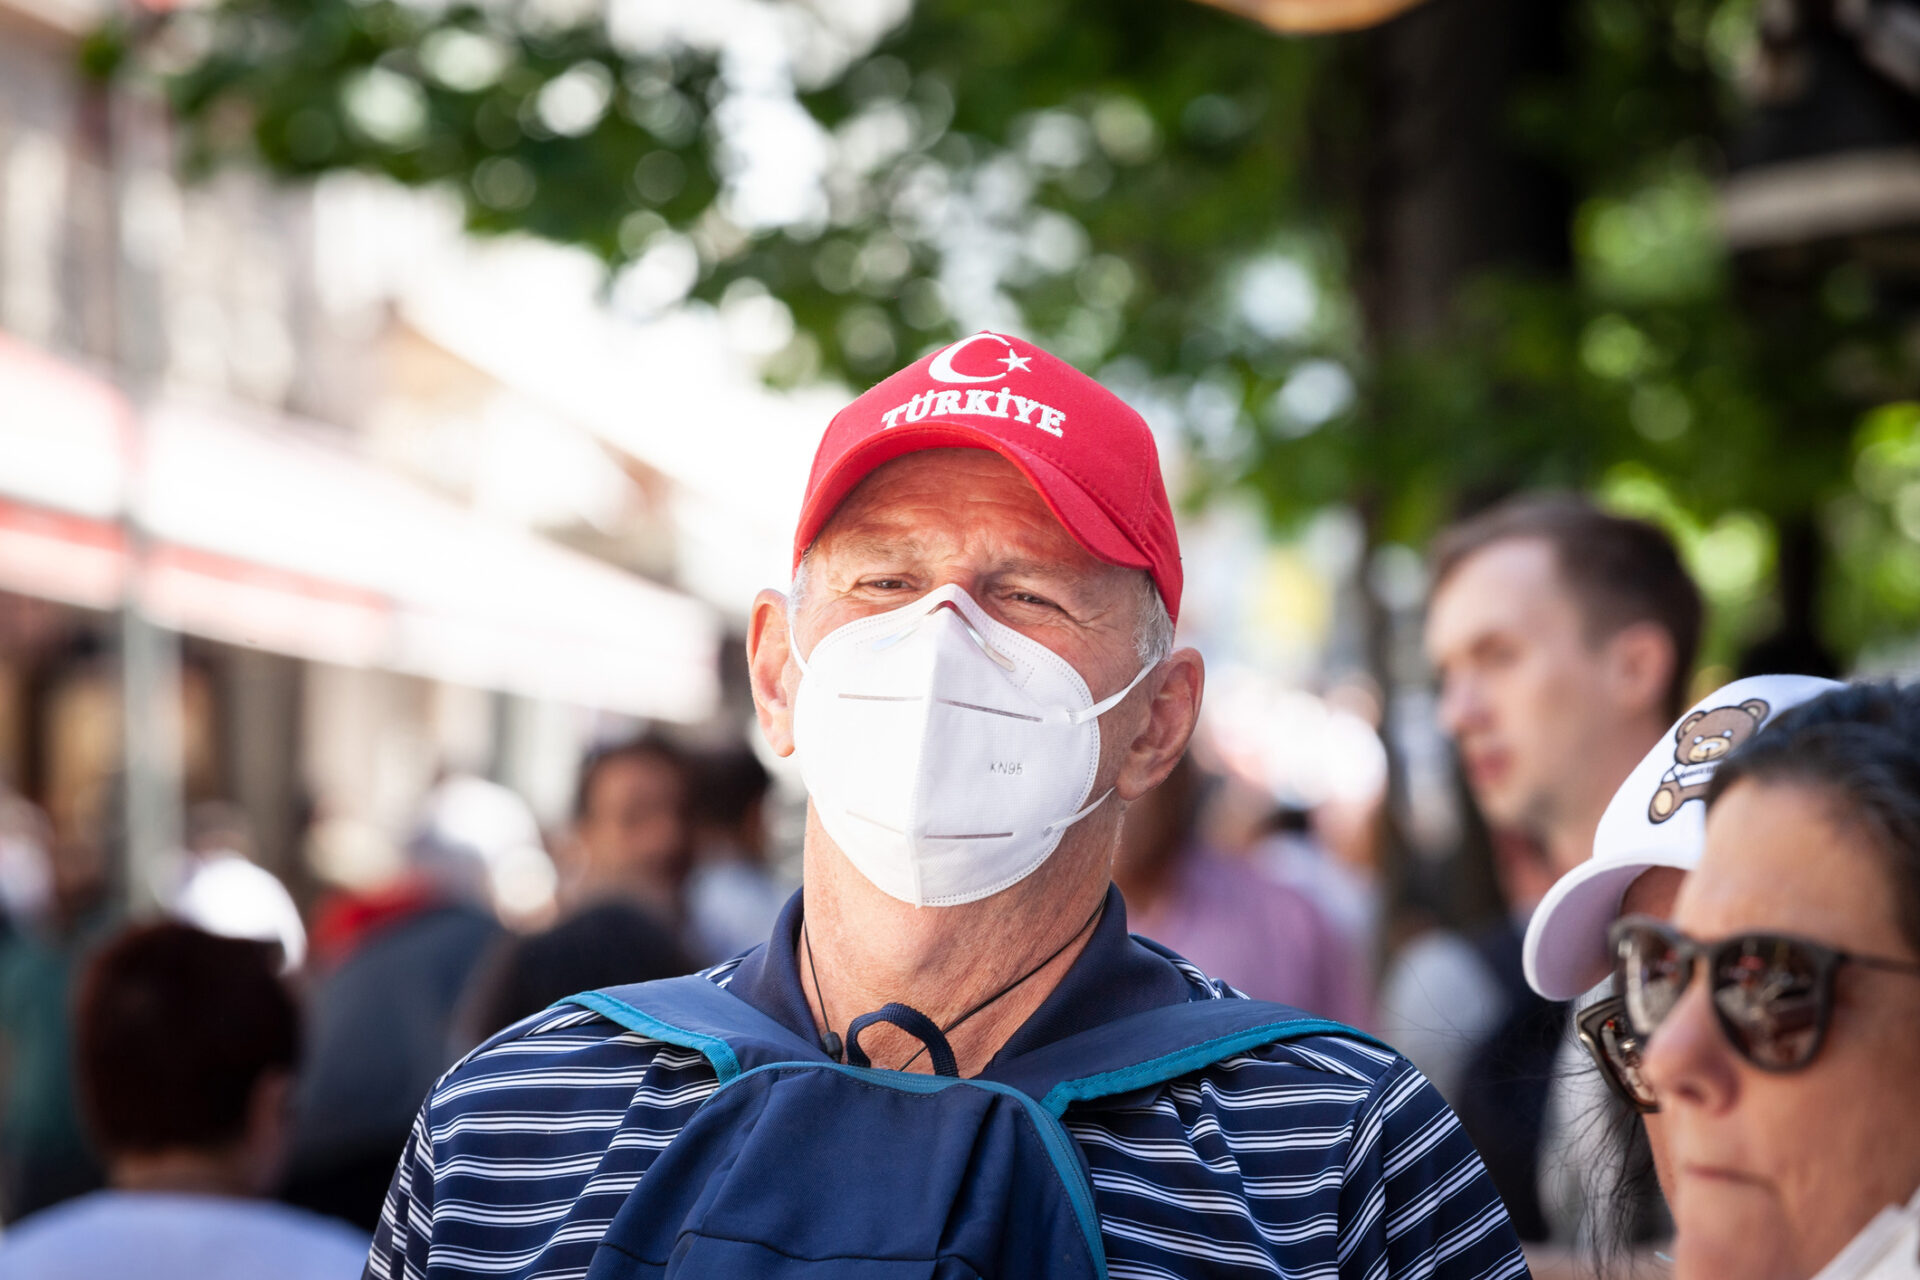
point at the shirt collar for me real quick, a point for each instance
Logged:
(1113, 976)
(768, 978)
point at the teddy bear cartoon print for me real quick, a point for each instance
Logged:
(1701, 741)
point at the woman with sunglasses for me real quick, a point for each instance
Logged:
(1780, 1009)
(1647, 841)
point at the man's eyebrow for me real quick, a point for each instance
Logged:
(905, 546)
(1490, 638)
(881, 545)
(1053, 569)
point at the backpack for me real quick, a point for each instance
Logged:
(802, 1168)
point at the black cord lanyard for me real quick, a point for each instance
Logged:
(830, 1041)
(835, 1047)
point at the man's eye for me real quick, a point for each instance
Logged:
(886, 584)
(1027, 597)
(1499, 656)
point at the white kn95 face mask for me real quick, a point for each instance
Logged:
(945, 752)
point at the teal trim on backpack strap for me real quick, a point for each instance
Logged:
(713, 1048)
(1173, 1065)
(1060, 1145)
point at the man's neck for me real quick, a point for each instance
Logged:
(1144, 882)
(659, 897)
(181, 1172)
(1568, 837)
(869, 950)
(1569, 842)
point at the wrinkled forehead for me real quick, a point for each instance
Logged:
(955, 504)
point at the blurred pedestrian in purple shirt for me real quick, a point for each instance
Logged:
(1226, 915)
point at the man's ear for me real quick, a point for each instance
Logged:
(769, 649)
(1173, 709)
(1642, 660)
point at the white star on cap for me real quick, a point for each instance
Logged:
(1013, 361)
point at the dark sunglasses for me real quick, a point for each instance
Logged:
(1772, 994)
(1614, 1045)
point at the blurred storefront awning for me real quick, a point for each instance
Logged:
(264, 531)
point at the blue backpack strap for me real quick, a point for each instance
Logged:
(697, 1014)
(1155, 1046)
(1142, 1049)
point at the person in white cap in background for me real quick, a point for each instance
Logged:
(1648, 839)
(214, 884)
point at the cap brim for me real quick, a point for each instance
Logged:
(1070, 504)
(1566, 946)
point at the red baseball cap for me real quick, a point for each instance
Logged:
(1089, 455)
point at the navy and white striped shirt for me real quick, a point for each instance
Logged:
(1321, 1157)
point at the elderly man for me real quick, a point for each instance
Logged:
(975, 667)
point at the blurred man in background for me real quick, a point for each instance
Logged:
(632, 837)
(1563, 639)
(1238, 924)
(391, 961)
(632, 848)
(735, 894)
(187, 1045)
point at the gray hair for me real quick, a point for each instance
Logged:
(1152, 632)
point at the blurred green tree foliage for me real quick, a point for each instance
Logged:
(1172, 197)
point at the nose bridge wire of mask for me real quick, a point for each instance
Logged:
(835, 1047)
(1000, 659)
(973, 633)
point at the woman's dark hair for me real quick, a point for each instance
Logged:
(1860, 746)
(1619, 1187)
(174, 1028)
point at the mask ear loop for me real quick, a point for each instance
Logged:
(1105, 705)
(793, 642)
(1072, 818)
(1081, 717)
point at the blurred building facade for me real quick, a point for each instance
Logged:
(245, 490)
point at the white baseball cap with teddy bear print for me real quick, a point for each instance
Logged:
(1656, 819)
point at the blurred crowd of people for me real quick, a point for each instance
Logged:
(407, 957)
(248, 1072)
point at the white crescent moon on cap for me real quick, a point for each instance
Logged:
(942, 370)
